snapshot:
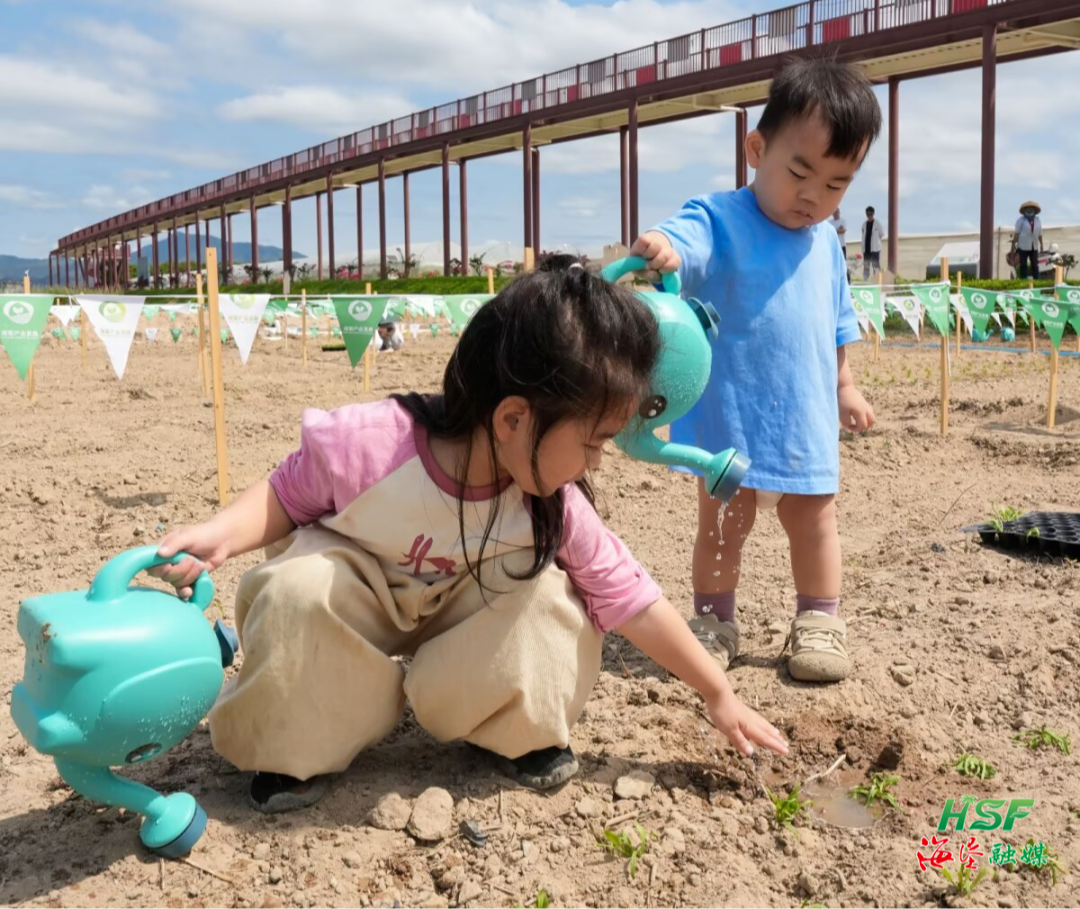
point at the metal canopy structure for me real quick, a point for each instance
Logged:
(724, 68)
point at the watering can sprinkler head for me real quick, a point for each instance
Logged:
(678, 380)
(118, 674)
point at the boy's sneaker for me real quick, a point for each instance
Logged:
(540, 770)
(721, 639)
(272, 793)
(818, 651)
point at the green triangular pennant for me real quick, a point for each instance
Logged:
(981, 304)
(868, 302)
(1051, 316)
(75, 333)
(463, 307)
(224, 335)
(314, 332)
(434, 329)
(176, 333)
(22, 319)
(150, 310)
(58, 333)
(358, 318)
(935, 299)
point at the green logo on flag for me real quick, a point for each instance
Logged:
(358, 319)
(981, 305)
(463, 307)
(243, 301)
(935, 298)
(113, 311)
(1051, 317)
(21, 324)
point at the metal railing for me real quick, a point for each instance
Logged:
(808, 24)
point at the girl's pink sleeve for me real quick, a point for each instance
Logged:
(607, 577)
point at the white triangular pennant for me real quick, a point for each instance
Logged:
(65, 312)
(151, 334)
(908, 307)
(960, 305)
(243, 314)
(114, 319)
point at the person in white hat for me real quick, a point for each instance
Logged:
(1028, 239)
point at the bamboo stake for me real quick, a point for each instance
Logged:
(1031, 321)
(959, 321)
(945, 360)
(873, 330)
(367, 288)
(491, 280)
(30, 371)
(1051, 405)
(303, 327)
(219, 387)
(203, 373)
(367, 365)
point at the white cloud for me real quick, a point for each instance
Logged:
(459, 48)
(577, 207)
(121, 38)
(31, 87)
(25, 197)
(105, 198)
(318, 108)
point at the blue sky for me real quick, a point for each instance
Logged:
(107, 104)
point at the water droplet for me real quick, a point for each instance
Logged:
(716, 574)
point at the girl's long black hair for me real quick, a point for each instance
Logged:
(572, 345)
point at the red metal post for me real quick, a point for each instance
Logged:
(286, 230)
(176, 254)
(318, 233)
(168, 256)
(446, 207)
(624, 185)
(223, 240)
(526, 146)
(894, 175)
(187, 250)
(632, 171)
(989, 124)
(254, 242)
(330, 225)
(463, 203)
(198, 244)
(50, 270)
(156, 259)
(742, 175)
(405, 212)
(810, 27)
(360, 231)
(877, 15)
(753, 37)
(67, 269)
(536, 204)
(382, 219)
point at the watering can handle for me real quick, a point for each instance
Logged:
(614, 271)
(112, 580)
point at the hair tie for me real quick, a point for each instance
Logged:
(576, 265)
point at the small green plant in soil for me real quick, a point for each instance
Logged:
(1033, 532)
(542, 901)
(974, 766)
(1037, 739)
(878, 790)
(620, 844)
(1002, 516)
(787, 808)
(964, 880)
(1039, 858)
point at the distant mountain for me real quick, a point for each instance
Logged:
(241, 250)
(12, 268)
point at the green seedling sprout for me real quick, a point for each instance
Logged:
(787, 808)
(964, 881)
(1037, 739)
(877, 790)
(974, 766)
(620, 844)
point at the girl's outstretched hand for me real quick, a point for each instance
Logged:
(744, 727)
(207, 549)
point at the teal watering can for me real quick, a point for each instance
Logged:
(678, 381)
(116, 675)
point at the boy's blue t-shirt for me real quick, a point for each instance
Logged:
(784, 306)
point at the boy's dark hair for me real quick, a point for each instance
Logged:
(836, 92)
(870, 210)
(571, 344)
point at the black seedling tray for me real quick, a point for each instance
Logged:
(1059, 533)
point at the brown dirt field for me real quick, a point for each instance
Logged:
(989, 642)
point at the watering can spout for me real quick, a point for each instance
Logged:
(723, 473)
(677, 383)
